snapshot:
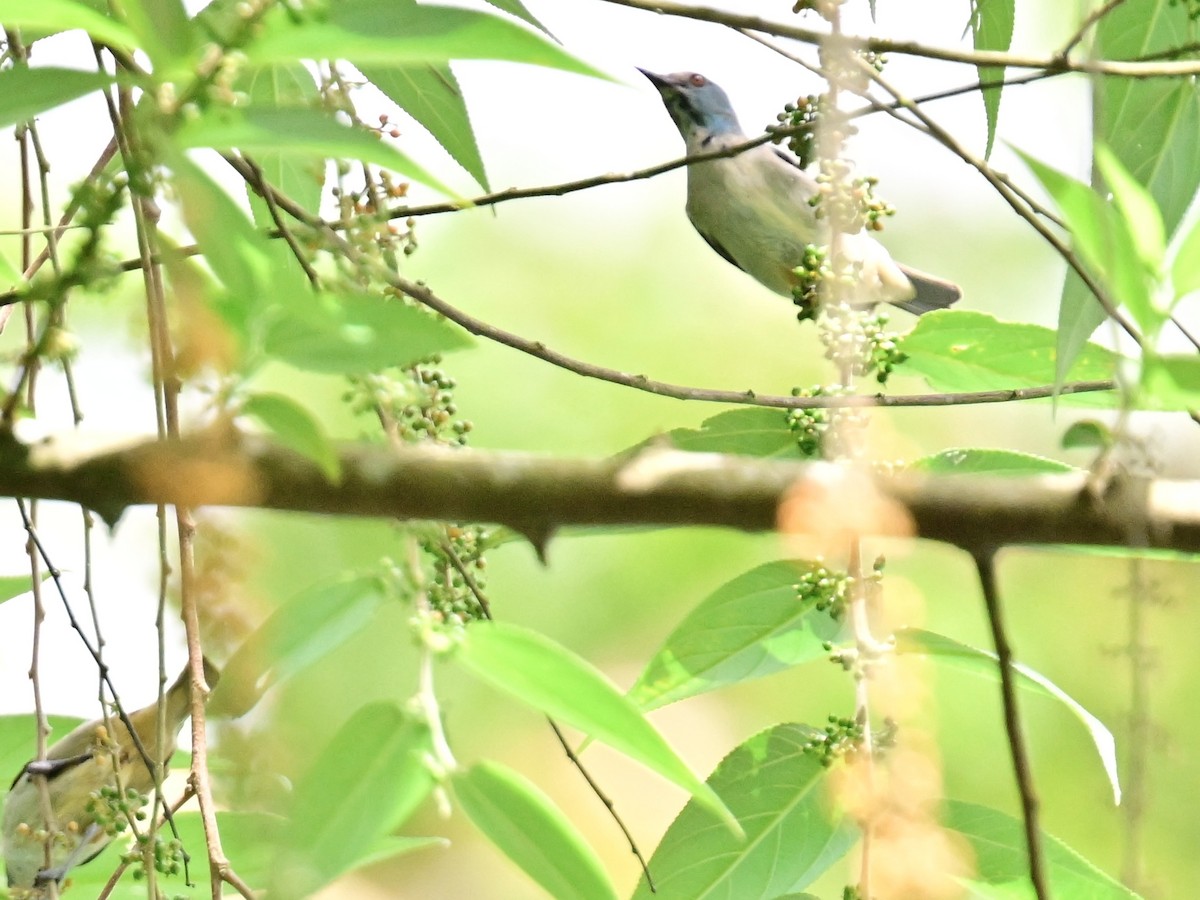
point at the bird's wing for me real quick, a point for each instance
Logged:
(794, 163)
(712, 242)
(51, 768)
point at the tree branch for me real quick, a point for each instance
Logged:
(537, 495)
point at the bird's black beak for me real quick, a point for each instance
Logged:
(657, 80)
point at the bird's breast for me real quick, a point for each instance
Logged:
(758, 213)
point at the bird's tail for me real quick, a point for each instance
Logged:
(931, 292)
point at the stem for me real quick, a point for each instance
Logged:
(985, 563)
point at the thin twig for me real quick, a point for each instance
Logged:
(773, 136)
(607, 801)
(281, 227)
(1056, 64)
(1017, 200)
(485, 607)
(1092, 18)
(985, 564)
(429, 299)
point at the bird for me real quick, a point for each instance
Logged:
(77, 767)
(753, 207)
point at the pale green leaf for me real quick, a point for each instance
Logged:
(26, 92)
(978, 461)
(1172, 382)
(792, 835)
(367, 780)
(518, 9)
(750, 432)
(1185, 267)
(232, 247)
(299, 178)
(550, 678)
(249, 837)
(429, 93)
(52, 16)
(531, 831)
(10, 276)
(962, 350)
(1137, 206)
(1079, 315)
(403, 31)
(1150, 123)
(983, 664)
(297, 132)
(992, 29)
(750, 627)
(294, 636)
(18, 735)
(1001, 859)
(1089, 434)
(356, 333)
(1104, 241)
(15, 585)
(164, 32)
(296, 428)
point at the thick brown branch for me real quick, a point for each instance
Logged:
(538, 495)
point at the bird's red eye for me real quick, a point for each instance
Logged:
(698, 80)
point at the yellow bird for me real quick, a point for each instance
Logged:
(76, 769)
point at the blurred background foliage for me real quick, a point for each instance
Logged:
(615, 276)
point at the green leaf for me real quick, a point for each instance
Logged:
(1079, 315)
(296, 428)
(1087, 433)
(1172, 382)
(429, 93)
(755, 431)
(356, 333)
(232, 247)
(26, 92)
(960, 350)
(518, 9)
(391, 846)
(1150, 124)
(531, 831)
(976, 461)
(53, 16)
(18, 738)
(1001, 860)
(10, 276)
(249, 837)
(364, 784)
(1137, 206)
(164, 32)
(548, 677)
(750, 627)
(14, 586)
(777, 793)
(300, 178)
(1104, 241)
(1185, 266)
(983, 664)
(299, 132)
(296, 635)
(992, 29)
(391, 32)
